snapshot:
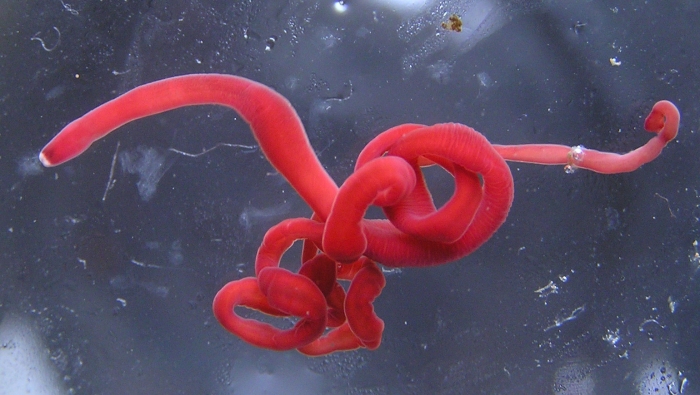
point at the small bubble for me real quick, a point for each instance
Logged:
(577, 153)
(270, 43)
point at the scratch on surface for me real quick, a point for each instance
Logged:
(36, 37)
(668, 204)
(561, 321)
(245, 149)
(111, 181)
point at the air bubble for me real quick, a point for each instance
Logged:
(270, 43)
(575, 157)
(577, 153)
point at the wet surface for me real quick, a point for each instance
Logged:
(109, 263)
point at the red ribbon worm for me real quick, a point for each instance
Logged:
(340, 244)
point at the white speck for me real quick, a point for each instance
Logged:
(672, 304)
(547, 290)
(485, 79)
(612, 337)
(137, 263)
(615, 62)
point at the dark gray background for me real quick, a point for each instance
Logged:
(113, 296)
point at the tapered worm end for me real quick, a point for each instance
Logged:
(663, 119)
(44, 160)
